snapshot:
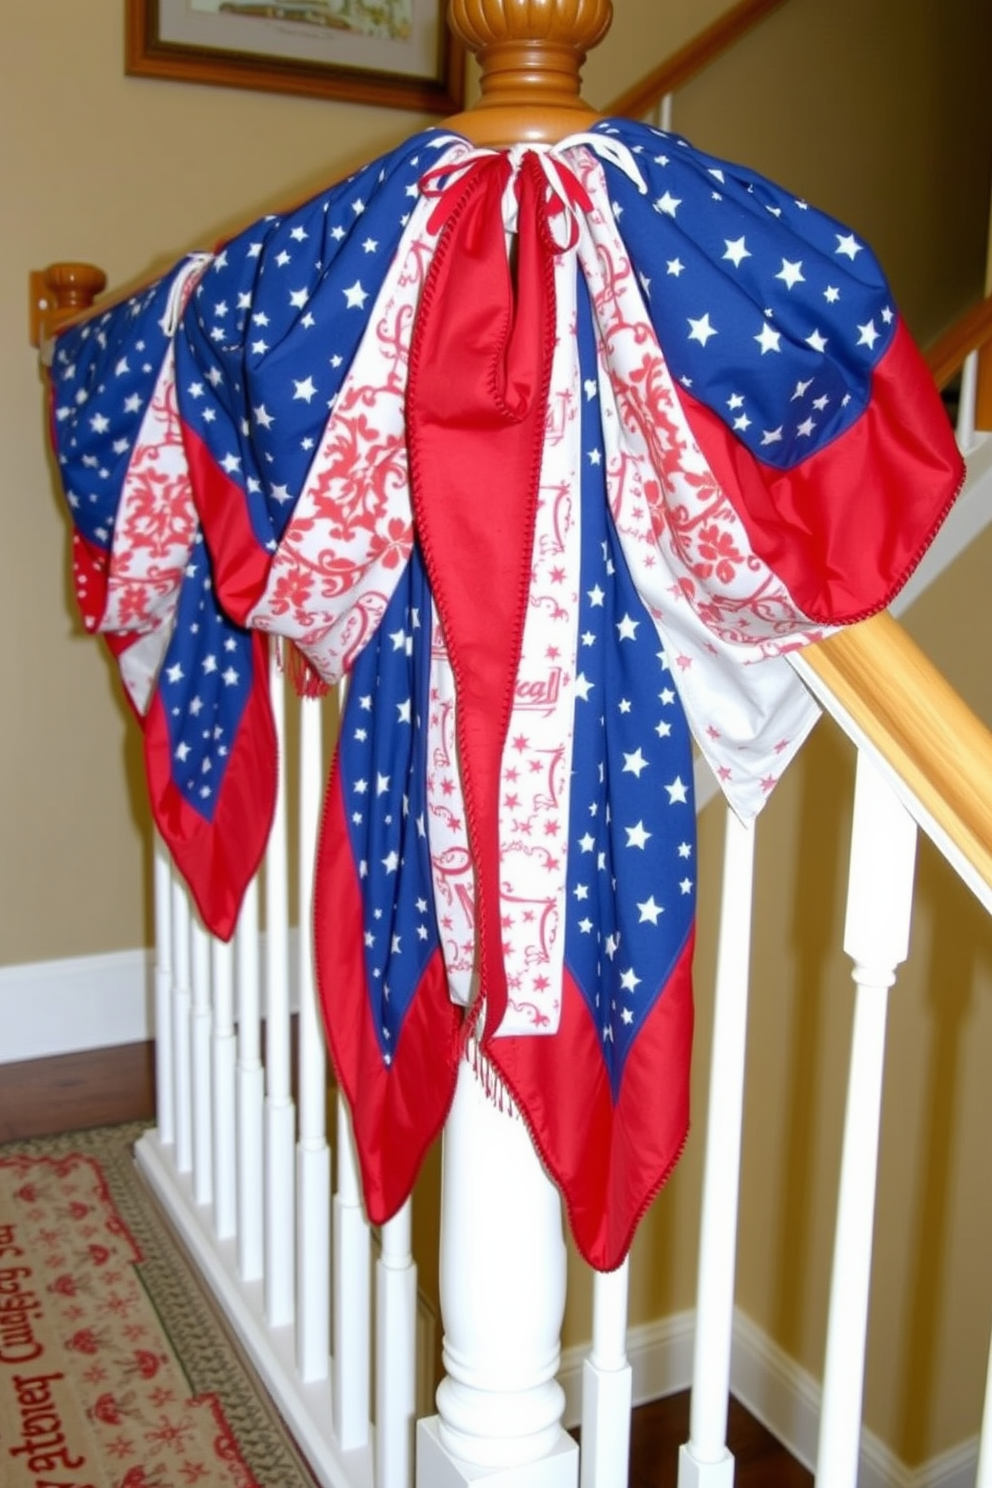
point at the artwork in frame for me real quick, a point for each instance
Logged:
(390, 53)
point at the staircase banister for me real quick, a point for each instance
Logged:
(971, 332)
(925, 732)
(690, 59)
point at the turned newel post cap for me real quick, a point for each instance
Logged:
(74, 286)
(531, 54)
(577, 24)
(58, 293)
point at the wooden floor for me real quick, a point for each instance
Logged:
(48, 1096)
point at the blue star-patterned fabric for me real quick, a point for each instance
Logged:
(265, 345)
(103, 375)
(607, 1098)
(770, 312)
(631, 880)
(780, 329)
(393, 1029)
(197, 680)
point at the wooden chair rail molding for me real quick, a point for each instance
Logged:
(697, 54)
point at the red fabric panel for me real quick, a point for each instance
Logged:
(845, 529)
(240, 565)
(609, 1161)
(480, 368)
(398, 1109)
(218, 859)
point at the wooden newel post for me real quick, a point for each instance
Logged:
(531, 54)
(60, 292)
(502, 1249)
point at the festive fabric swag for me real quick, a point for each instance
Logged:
(551, 519)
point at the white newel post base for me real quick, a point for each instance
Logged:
(502, 1301)
(696, 1474)
(436, 1468)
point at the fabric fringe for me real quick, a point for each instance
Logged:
(490, 1080)
(304, 678)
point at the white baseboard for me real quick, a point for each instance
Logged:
(90, 1002)
(954, 1469)
(776, 1391)
(80, 1002)
(786, 1399)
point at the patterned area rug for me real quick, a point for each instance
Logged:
(115, 1370)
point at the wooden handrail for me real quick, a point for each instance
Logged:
(921, 727)
(971, 333)
(901, 702)
(697, 54)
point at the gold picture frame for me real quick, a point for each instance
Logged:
(388, 53)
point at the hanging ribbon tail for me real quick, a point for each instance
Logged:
(480, 370)
(393, 1031)
(606, 1098)
(211, 760)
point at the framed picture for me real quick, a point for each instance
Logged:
(390, 53)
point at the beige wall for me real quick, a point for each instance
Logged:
(129, 172)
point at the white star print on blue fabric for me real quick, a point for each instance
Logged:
(787, 367)
(383, 764)
(269, 335)
(103, 376)
(632, 817)
(205, 683)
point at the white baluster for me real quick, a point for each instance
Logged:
(984, 1476)
(183, 1102)
(251, 1092)
(607, 1382)
(502, 1302)
(664, 114)
(280, 1114)
(200, 1050)
(352, 1297)
(705, 1462)
(313, 1286)
(395, 1355)
(967, 402)
(224, 1051)
(164, 1073)
(876, 937)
